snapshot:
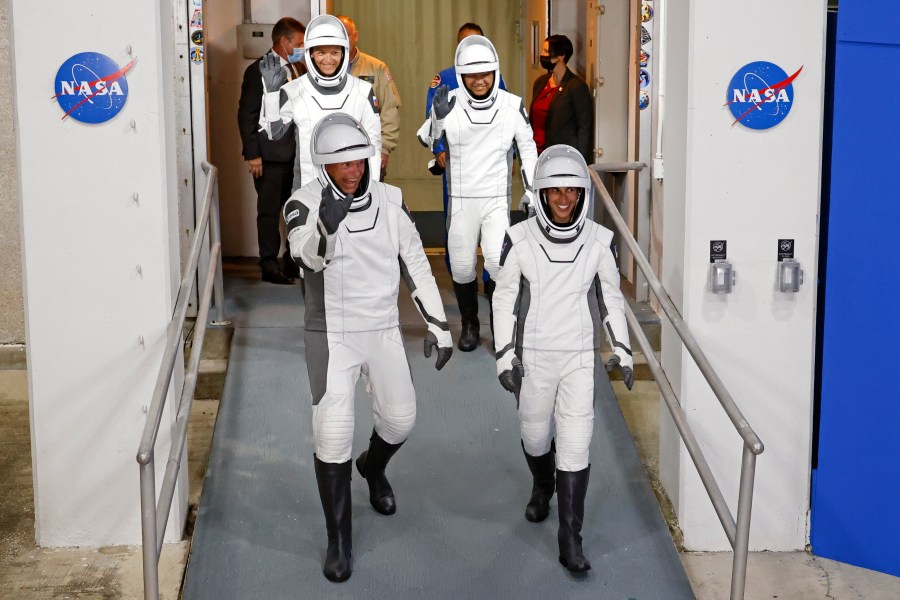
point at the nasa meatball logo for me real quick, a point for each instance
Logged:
(761, 95)
(90, 87)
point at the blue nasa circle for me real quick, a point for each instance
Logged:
(90, 88)
(756, 99)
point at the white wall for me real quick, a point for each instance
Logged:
(750, 188)
(225, 70)
(86, 304)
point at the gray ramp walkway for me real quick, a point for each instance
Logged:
(461, 484)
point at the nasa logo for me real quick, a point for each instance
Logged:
(91, 88)
(760, 95)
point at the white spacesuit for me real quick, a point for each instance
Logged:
(557, 289)
(354, 243)
(480, 132)
(307, 99)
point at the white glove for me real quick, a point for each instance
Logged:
(526, 204)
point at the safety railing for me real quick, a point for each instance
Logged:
(737, 530)
(155, 515)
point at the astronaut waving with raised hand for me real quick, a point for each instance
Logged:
(355, 240)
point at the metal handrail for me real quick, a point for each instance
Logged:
(154, 516)
(737, 530)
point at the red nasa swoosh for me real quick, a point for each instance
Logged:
(778, 86)
(108, 79)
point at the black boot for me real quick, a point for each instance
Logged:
(570, 489)
(334, 491)
(543, 470)
(271, 273)
(371, 465)
(467, 298)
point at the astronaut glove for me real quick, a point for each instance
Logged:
(442, 103)
(442, 342)
(510, 372)
(332, 210)
(627, 374)
(526, 204)
(273, 74)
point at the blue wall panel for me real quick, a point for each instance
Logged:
(856, 484)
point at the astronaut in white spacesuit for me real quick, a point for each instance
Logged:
(355, 240)
(326, 87)
(557, 289)
(480, 125)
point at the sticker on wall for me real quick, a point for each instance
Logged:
(645, 58)
(760, 95)
(91, 87)
(197, 37)
(645, 36)
(718, 250)
(785, 249)
(644, 100)
(197, 3)
(197, 54)
(197, 19)
(645, 78)
(646, 12)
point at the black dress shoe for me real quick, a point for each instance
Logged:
(277, 277)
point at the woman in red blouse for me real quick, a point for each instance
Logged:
(562, 111)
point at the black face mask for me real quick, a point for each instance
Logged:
(546, 64)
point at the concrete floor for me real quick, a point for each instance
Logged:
(31, 573)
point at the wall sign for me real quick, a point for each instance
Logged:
(785, 249)
(760, 95)
(718, 250)
(90, 87)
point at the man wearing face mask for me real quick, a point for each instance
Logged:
(271, 162)
(326, 88)
(562, 111)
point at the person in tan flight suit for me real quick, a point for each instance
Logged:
(369, 68)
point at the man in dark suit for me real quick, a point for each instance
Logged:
(271, 162)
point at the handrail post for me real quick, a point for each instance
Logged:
(148, 531)
(215, 237)
(742, 537)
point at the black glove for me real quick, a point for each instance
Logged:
(273, 74)
(627, 373)
(511, 379)
(332, 211)
(442, 103)
(443, 352)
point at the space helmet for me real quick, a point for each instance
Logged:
(476, 54)
(562, 166)
(327, 30)
(338, 138)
